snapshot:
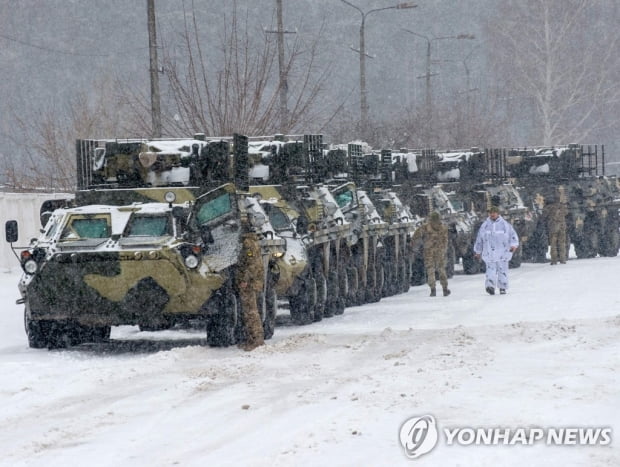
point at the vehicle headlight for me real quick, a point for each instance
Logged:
(170, 197)
(30, 266)
(278, 254)
(191, 261)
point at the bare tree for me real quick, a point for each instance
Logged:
(46, 138)
(236, 89)
(554, 66)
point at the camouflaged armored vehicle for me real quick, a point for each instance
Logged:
(374, 175)
(365, 244)
(573, 175)
(156, 250)
(146, 264)
(395, 253)
(310, 273)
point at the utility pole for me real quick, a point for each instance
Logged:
(282, 68)
(364, 107)
(427, 76)
(154, 70)
(283, 73)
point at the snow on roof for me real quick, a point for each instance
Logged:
(549, 152)
(454, 156)
(182, 147)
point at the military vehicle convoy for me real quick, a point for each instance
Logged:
(79, 280)
(519, 181)
(573, 175)
(153, 234)
(341, 232)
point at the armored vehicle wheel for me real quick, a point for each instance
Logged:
(371, 285)
(581, 247)
(535, 249)
(404, 278)
(380, 283)
(395, 286)
(100, 333)
(321, 295)
(450, 260)
(610, 241)
(515, 261)
(304, 303)
(470, 264)
(223, 318)
(65, 333)
(271, 310)
(333, 288)
(343, 289)
(388, 284)
(352, 278)
(38, 332)
(418, 274)
(81, 333)
(586, 245)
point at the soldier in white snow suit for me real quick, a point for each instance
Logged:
(496, 241)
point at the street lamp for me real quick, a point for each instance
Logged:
(429, 41)
(362, 53)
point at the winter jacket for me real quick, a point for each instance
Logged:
(433, 237)
(494, 240)
(554, 215)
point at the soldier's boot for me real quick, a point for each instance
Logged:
(433, 292)
(490, 290)
(502, 291)
(446, 291)
(255, 336)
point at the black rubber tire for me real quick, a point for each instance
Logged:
(450, 260)
(418, 273)
(100, 334)
(343, 289)
(37, 331)
(303, 304)
(353, 286)
(610, 241)
(271, 310)
(404, 279)
(471, 265)
(515, 261)
(224, 320)
(333, 289)
(321, 295)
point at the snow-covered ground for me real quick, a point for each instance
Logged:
(334, 393)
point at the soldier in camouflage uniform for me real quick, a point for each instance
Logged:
(433, 235)
(249, 281)
(554, 214)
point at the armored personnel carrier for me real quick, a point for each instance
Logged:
(310, 272)
(574, 175)
(373, 173)
(153, 251)
(365, 243)
(288, 174)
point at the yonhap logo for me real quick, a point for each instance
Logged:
(418, 436)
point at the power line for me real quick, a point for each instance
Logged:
(65, 52)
